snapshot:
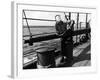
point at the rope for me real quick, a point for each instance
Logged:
(27, 24)
(39, 19)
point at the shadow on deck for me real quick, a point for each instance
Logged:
(83, 59)
(80, 58)
(83, 55)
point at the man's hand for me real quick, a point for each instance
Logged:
(65, 16)
(56, 33)
(61, 35)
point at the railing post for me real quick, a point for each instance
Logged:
(69, 15)
(86, 20)
(80, 29)
(86, 24)
(77, 25)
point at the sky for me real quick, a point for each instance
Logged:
(51, 16)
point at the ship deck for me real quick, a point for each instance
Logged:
(81, 57)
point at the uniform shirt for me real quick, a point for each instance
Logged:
(70, 30)
(60, 27)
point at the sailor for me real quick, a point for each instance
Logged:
(68, 48)
(60, 29)
(63, 29)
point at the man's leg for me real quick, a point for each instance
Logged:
(69, 51)
(62, 49)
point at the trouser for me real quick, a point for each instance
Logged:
(67, 48)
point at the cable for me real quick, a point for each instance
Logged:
(27, 24)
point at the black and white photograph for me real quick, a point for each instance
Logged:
(55, 39)
(50, 40)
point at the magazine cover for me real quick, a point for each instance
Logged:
(51, 39)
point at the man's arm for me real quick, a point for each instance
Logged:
(57, 32)
(56, 29)
(72, 24)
